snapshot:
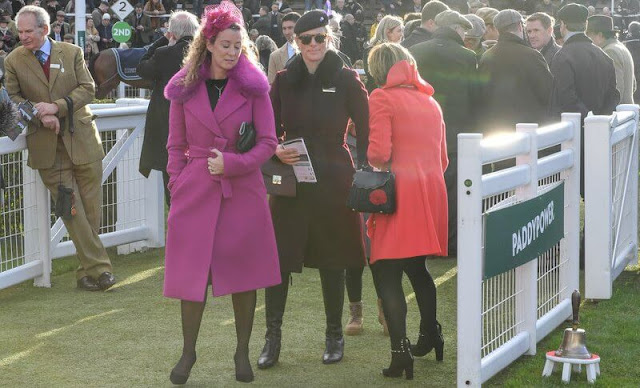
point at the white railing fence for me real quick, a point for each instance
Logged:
(611, 198)
(133, 207)
(125, 91)
(503, 317)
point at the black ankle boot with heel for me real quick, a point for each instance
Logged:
(428, 342)
(401, 361)
(180, 373)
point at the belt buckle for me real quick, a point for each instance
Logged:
(276, 179)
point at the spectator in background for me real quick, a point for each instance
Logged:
(516, 79)
(265, 46)
(339, 8)
(153, 9)
(92, 36)
(6, 36)
(68, 38)
(374, 26)
(451, 70)
(56, 33)
(263, 24)
(428, 26)
(491, 34)
(281, 56)
(89, 53)
(600, 31)
(275, 24)
(353, 38)
(473, 37)
(52, 8)
(169, 6)
(413, 6)
(546, 6)
(458, 5)
(5, 5)
(65, 28)
(313, 4)
(97, 13)
(141, 24)
(253, 5)
(253, 34)
(161, 62)
(390, 29)
(633, 44)
(475, 5)
(355, 9)
(540, 34)
(246, 13)
(105, 32)
(16, 5)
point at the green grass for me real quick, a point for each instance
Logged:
(130, 335)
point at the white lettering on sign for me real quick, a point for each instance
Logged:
(523, 237)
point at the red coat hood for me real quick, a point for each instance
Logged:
(404, 74)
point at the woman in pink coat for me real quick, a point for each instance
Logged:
(407, 134)
(219, 226)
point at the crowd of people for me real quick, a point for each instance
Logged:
(452, 67)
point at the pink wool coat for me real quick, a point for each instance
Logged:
(406, 129)
(219, 226)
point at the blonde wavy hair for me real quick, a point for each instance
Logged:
(382, 58)
(198, 53)
(387, 24)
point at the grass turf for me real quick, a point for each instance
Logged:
(130, 335)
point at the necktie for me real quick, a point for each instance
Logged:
(41, 56)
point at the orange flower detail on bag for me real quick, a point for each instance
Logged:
(378, 197)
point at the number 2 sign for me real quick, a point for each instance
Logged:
(122, 8)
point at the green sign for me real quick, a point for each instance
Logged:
(121, 32)
(81, 39)
(518, 234)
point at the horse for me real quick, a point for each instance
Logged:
(103, 69)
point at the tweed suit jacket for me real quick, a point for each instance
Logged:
(277, 62)
(68, 76)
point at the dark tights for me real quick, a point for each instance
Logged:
(387, 275)
(354, 283)
(244, 305)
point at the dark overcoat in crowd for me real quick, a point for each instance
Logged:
(634, 48)
(159, 64)
(584, 79)
(516, 85)
(549, 51)
(315, 228)
(351, 41)
(451, 69)
(418, 35)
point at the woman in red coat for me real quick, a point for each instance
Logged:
(407, 134)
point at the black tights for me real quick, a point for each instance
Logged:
(387, 275)
(244, 305)
(354, 283)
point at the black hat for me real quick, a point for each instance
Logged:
(573, 13)
(600, 23)
(311, 20)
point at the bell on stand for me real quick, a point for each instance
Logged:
(574, 344)
(573, 353)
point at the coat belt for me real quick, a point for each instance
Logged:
(196, 152)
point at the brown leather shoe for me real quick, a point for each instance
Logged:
(106, 280)
(87, 284)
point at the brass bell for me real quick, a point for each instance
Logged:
(574, 344)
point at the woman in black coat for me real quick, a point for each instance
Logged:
(314, 98)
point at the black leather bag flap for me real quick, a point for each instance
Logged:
(370, 179)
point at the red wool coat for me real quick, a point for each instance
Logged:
(406, 128)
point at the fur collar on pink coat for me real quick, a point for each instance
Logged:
(245, 76)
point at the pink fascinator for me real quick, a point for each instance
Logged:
(218, 18)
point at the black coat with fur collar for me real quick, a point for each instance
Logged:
(316, 228)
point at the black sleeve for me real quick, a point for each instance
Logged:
(358, 108)
(147, 66)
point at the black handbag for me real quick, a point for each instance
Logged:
(373, 192)
(247, 138)
(279, 178)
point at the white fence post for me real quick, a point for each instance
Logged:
(43, 206)
(570, 273)
(154, 209)
(470, 274)
(597, 207)
(526, 274)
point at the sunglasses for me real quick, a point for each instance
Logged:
(306, 39)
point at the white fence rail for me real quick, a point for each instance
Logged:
(503, 317)
(611, 198)
(133, 207)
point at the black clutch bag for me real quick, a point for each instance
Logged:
(373, 192)
(279, 178)
(247, 138)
